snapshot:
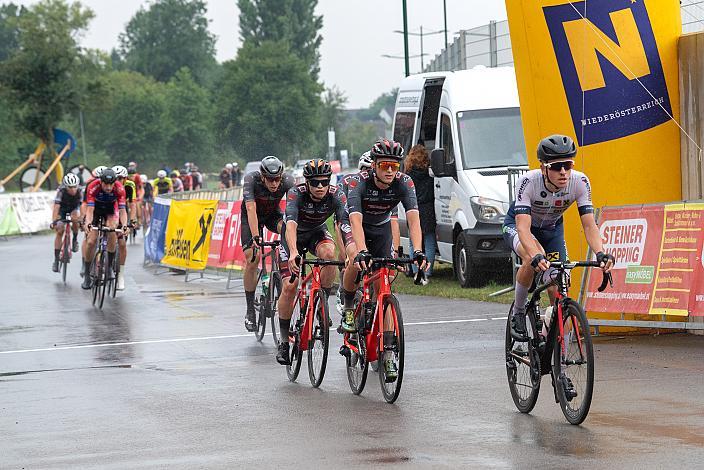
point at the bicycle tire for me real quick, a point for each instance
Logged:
(357, 364)
(105, 276)
(295, 354)
(275, 287)
(529, 377)
(582, 377)
(115, 271)
(318, 356)
(391, 390)
(94, 273)
(260, 308)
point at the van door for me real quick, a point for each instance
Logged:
(444, 189)
(432, 92)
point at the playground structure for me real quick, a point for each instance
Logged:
(33, 176)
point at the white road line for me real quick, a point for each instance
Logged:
(206, 338)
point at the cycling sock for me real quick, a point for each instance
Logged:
(521, 297)
(56, 254)
(285, 325)
(348, 298)
(250, 299)
(87, 266)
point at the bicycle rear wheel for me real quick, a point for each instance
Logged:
(274, 294)
(115, 271)
(576, 363)
(522, 367)
(320, 339)
(391, 389)
(357, 364)
(295, 354)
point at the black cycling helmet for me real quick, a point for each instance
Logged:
(271, 167)
(385, 148)
(556, 147)
(108, 176)
(131, 170)
(317, 167)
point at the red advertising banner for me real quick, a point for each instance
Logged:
(659, 268)
(222, 218)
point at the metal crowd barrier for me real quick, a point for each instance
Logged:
(231, 194)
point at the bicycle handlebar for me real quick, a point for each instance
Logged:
(566, 266)
(107, 229)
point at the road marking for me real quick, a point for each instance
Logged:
(207, 338)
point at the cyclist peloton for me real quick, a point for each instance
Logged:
(371, 200)
(261, 193)
(106, 200)
(308, 206)
(67, 201)
(162, 183)
(534, 227)
(130, 198)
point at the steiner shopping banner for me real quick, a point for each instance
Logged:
(659, 251)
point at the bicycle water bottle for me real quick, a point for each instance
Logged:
(265, 283)
(547, 317)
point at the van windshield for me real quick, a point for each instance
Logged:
(491, 138)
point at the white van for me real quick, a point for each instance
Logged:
(470, 122)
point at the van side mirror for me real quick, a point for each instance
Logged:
(440, 166)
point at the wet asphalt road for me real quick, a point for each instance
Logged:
(165, 376)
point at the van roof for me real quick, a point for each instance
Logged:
(477, 88)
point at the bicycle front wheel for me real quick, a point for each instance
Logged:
(394, 352)
(295, 354)
(574, 365)
(320, 339)
(260, 307)
(274, 294)
(96, 274)
(65, 254)
(522, 367)
(115, 270)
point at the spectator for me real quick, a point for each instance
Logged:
(416, 166)
(236, 174)
(226, 177)
(197, 178)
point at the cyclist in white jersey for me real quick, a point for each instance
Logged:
(533, 226)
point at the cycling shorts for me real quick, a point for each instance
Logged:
(378, 240)
(106, 215)
(271, 223)
(308, 241)
(552, 240)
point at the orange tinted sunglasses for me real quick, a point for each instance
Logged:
(388, 166)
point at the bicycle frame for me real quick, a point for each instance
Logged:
(65, 254)
(307, 307)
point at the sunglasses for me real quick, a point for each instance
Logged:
(388, 166)
(559, 166)
(319, 183)
(275, 179)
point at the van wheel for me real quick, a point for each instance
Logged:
(466, 271)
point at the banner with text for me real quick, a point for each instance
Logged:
(188, 230)
(155, 237)
(659, 253)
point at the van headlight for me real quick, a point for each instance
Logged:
(488, 210)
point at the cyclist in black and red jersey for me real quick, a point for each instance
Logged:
(67, 201)
(105, 199)
(308, 206)
(261, 193)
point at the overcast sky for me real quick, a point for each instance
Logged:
(355, 35)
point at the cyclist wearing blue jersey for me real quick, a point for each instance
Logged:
(533, 227)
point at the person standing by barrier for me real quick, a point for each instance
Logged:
(236, 174)
(226, 176)
(261, 193)
(197, 178)
(416, 166)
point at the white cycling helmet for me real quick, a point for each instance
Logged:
(228, 166)
(98, 171)
(365, 161)
(120, 171)
(143, 178)
(71, 181)
(161, 174)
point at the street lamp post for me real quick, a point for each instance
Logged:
(405, 39)
(444, 9)
(422, 52)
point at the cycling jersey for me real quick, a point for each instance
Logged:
(255, 190)
(130, 190)
(148, 191)
(162, 185)
(545, 207)
(310, 214)
(187, 182)
(106, 203)
(178, 184)
(376, 204)
(66, 202)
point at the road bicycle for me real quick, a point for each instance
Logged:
(558, 343)
(310, 322)
(101, 272)
(268, 290)
(65, 253)
(371, 339)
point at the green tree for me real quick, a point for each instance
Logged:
(268, 103)
(190, 113)
(168, 36)
(382, 101)
(291, 21)
(42, 80)
(9, 32)
(331, 116)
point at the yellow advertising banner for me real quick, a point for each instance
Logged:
(188, 233)
(604, 72)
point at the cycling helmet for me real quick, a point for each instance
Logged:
(175, 174)
(120, 171)
(271, 167)
(556, 147)
(71, 180)
(365, 161)
(99, 171)
(143, 178)
(228, 166)
(108, 176)
(317, 167)
(385, 148)
(161, 174)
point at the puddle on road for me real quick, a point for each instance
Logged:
(26, 372)
(386, 455)
(653, 427)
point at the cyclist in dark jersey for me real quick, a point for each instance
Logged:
(67, 201)
(533, 227)
(106, 201)
(370, 202)
(308, 206)
(261, 194)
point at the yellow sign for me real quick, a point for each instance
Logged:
(188, 233)
(604, 72)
